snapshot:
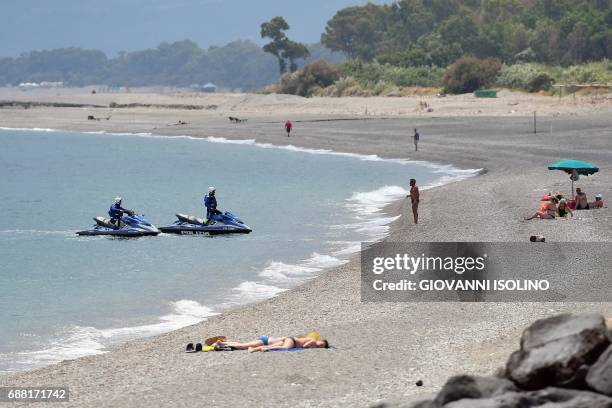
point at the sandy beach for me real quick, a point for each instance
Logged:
(382, 349)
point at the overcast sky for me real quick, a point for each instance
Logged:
(116, 25)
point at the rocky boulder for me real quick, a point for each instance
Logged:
(473, 387)
(549, 398)
(599, 377)
(557, 351)
(564, 362)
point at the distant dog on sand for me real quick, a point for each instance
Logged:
(92, 117)
(237, 120)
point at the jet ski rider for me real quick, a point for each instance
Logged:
(210, 201)
(116, 212)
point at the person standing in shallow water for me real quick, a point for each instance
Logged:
(414, 199)
(288, 127)
(416, 140)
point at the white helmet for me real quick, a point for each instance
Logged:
(117, 200)
(211, 190)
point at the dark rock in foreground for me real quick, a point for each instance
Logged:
(548, 397)
(564, 362)
(599, 377)
(557, 351)
(464, 386)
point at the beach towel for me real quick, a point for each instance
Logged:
(297, 349)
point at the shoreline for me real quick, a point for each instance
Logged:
(382, 348)
(381, 214)
(439, 167)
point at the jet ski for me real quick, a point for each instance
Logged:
(226, 223)
(132, 225)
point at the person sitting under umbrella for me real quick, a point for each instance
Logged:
(582, 203)
(563, 211)
(547, 212)
(598, 203)
(575, 168)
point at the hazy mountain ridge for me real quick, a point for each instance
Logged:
(237, 65)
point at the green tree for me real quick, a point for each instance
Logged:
(547, 31)
(577, 44)
(461, 29)
(356, 31)
(408, 21)
(285, 50)
(546, 41)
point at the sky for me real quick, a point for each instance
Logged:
(128, 25)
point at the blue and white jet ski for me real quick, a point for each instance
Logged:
(226, 223)
(132, 225)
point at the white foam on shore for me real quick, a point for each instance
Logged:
(184, 313)
(288, 274)
(32, 129)
(80, 341)
(369, 220)
(371, 202)
(452, 173)
(347, 248)
(213, 139)
(277, 277)
(282, 272)
(249, 292)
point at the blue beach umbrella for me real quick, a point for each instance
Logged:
(574, 168)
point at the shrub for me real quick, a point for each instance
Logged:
(542, 82)
(592, 72)
(414, 76)
(537, 77)
(313, 76)
(529, 77)
(343, 84)
(410, 58)
(370, 75)
(468, 74)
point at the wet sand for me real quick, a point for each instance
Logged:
(382, 348)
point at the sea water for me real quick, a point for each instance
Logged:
(63, 296)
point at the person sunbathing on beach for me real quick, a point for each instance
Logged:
(547, 212)
(598, 203)
(563, 211)
(265, 343)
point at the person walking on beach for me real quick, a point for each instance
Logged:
(288, 127)
(414, 198)
(416, 140)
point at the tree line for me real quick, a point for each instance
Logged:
(237, 65)
(438, 32)
(410, 35)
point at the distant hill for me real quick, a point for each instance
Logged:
(237, 65)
